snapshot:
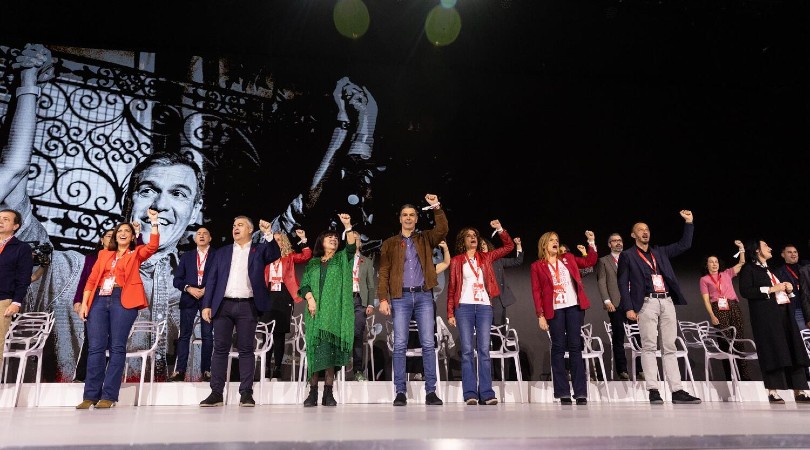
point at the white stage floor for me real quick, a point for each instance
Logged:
(453, 426)
(623, 423)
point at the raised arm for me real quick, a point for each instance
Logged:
(35, 66)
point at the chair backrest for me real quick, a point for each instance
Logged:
(633, 336)
(372, 328)
(592, 345)
(146, 331)
(29, 332)
(264, 336)
(691, 332)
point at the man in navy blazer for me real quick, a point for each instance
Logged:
(235, 296)
(189, 277)
(16, 264)
(649, 290)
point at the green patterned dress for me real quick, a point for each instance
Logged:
(330, 334)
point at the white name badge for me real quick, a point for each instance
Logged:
(658, 283)
(722, 304)
(275, 284)
(782, 298)
(107, 286)
(478, 292)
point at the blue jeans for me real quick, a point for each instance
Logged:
(107, 322)
(419, 306)
(187, 316)
(566, 336)
(475, 319)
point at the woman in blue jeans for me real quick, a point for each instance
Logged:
(560, 302)
(112, 298)
(472, 285)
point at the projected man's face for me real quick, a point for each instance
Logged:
(171, 191)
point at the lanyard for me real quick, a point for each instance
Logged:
(3, 244)
(201, 262)
(796, 277)
(717, 283)
(653, 266)
(475, 272)
(555, 271)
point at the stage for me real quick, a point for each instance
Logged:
(367, 420)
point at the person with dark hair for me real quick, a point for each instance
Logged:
(89, 261)
(112, 297)
(721, 303)
(406, 278)
(560, 303)
(16, 264)
(283, 285)
(470, 292)
(506, 298)
(650, 291)
(780, 351)
(789, 271)
(190, 278)
(329, 318)
(235, 297)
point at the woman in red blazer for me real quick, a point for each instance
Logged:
(112, 297)
(560, 301)
(283, 286)
(472, 285)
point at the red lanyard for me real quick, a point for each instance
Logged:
(555, 271)
(653, 266)
(475, 272)
(2, 247)
(201, 262)
(717, 283)
(796, 277)
(773, 278)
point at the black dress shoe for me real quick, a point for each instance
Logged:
(206, 376)
(684, 398)
(215, 399)
(433, 399)
(655, 397)
(400, 400)
(565, 400)
(246, 399)
(775, 400)
(802, 398)
(582, 401)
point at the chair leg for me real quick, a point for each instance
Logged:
(604, 379)
(227, 379)
(503, 380)
(20, 379)
(152, 381)
(140, 384)
(519, 374)
(39, 378)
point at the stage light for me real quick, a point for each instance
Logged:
(442, 25)
(351, 18)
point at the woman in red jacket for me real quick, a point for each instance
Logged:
(560, 301)
(112, 297)
(472, 285)
(283, 286)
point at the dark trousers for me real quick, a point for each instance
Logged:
(565, 330)
(359, 333)
(617, 319)
(242, 316)
(187, 316)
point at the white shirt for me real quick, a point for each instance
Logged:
(238, 282)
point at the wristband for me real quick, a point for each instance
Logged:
(23, 90)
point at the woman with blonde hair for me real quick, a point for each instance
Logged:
(560, 302)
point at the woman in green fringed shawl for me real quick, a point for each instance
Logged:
(329, 324)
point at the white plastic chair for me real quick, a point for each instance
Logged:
(145, 331)
(263, 342)
(196, 340)
(296, 335)
(806, 338)
(509, 349)
(26, 338)
(681, 352)
(592, 352)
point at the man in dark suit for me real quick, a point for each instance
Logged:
(649, 292)
(16, 264)
(235, 296)
(189, 277)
